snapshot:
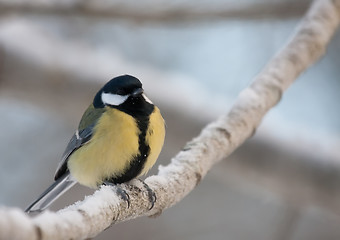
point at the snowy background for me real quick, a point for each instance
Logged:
(193, 58)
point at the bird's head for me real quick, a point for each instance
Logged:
(122, 90)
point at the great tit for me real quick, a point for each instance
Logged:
(119, 138)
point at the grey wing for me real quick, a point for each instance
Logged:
(78, 139)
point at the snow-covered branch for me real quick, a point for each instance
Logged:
(161, 10)
(217, 140)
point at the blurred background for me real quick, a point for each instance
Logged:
(193, 58)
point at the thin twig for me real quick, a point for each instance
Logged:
(160, 11)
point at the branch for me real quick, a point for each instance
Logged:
(217, 140)
(160, 11)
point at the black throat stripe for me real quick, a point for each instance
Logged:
(137, 163)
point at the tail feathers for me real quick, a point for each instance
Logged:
(51, 194)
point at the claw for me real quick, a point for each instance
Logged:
(151, 194)
(120, 191)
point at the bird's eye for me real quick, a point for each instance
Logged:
(121, 92)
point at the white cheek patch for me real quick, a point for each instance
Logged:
(113, 99)
(147, 99)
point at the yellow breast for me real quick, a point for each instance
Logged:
(154, 138)
(109, 152)
(113, 146)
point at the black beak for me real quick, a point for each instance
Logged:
(137, 92)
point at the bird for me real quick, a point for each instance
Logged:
(119, 138)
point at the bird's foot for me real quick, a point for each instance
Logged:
(120, 192)
(151, 194)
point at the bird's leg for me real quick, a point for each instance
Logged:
(151, 194)
(120, 191)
